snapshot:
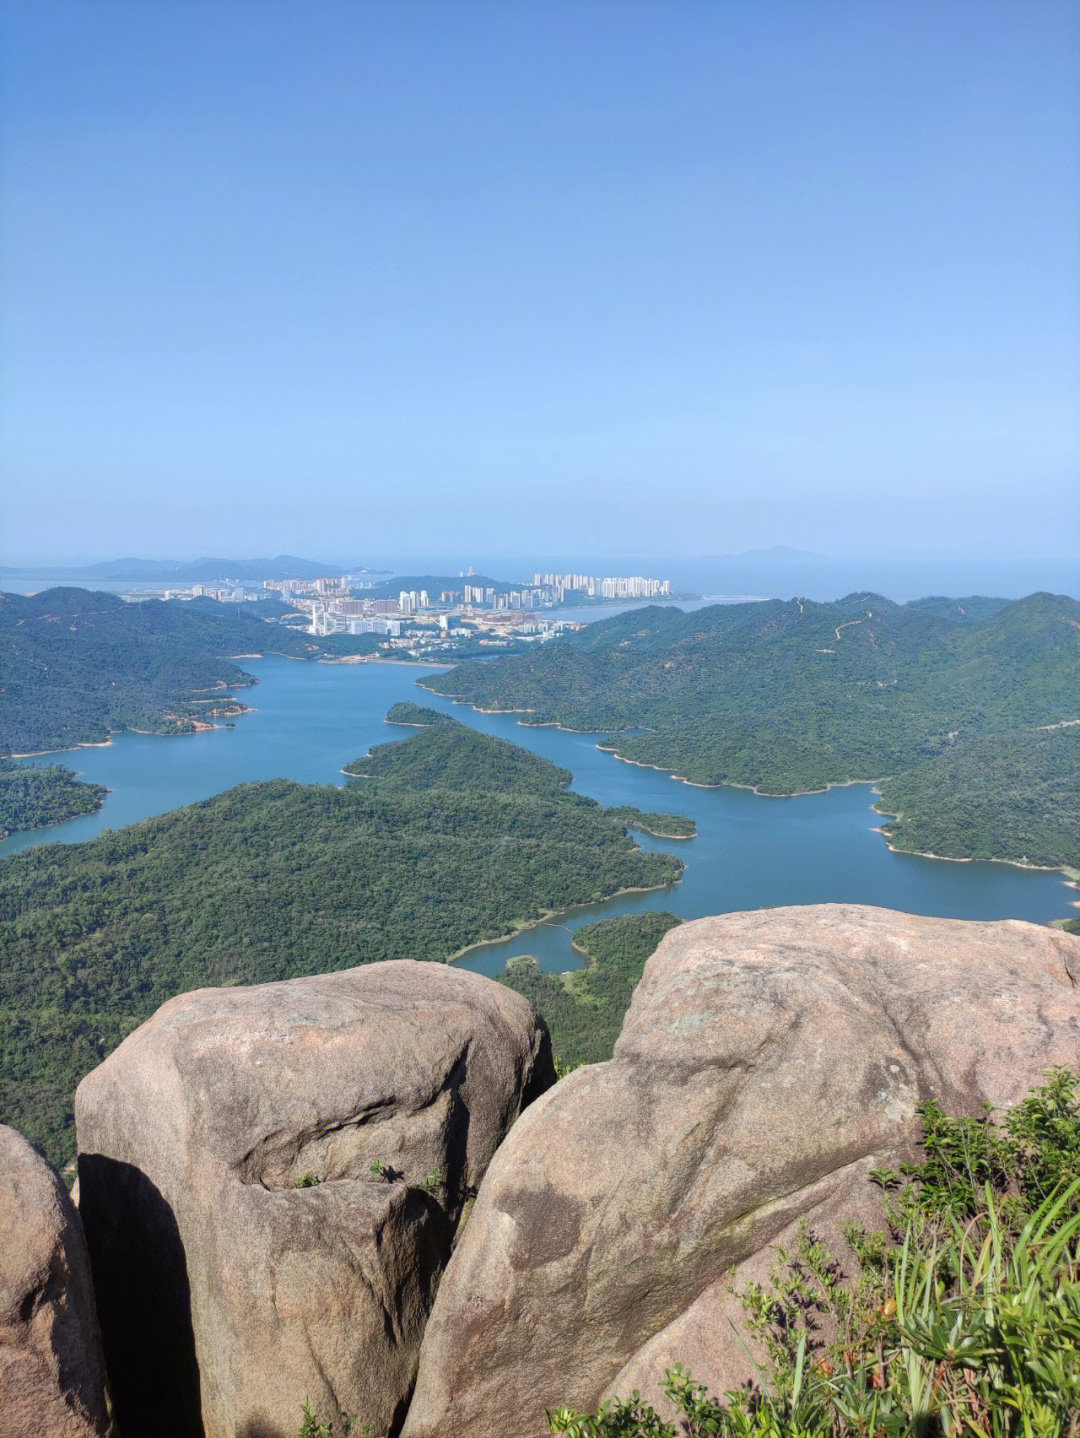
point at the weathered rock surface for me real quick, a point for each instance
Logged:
(228, 1295)
(767, 1061)
(52, 1375)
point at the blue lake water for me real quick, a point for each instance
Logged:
(750, 852)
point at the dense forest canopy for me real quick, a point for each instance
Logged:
(79, 664)
(452, 838)
(967, 708)
(418, 716)
(31, 797)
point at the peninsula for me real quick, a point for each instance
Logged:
(963, 710)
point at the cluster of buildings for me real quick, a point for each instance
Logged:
(417, 616)
(611, 586)
(224, 593)
(423, 622)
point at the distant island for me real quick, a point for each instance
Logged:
(967, 711)
(451, 838)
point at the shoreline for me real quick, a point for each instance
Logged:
(199, 726)
(543, 724)
(733, 784)
(384, 659)
(1070, 876)
(550, 914)
(655, 834)
(6, 834)
(83, 744)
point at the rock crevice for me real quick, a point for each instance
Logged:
(291, 1162)
(767, 1062)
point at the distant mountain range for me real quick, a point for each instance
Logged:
(183, 571)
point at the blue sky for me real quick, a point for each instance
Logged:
(374, 280)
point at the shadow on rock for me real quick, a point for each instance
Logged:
(144, 1301)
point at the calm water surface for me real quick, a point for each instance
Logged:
(750, 852)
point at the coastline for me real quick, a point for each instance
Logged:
(656, 834)
(542, 724)
(6, 834)
(199, 726)
(1071, 876)
(558, 913)
(83, 744)
(733, 784)
(383, 659)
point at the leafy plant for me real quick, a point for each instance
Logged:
(311, 1427)
(962, 1321)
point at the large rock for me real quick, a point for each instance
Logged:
(52, 1375)
(767, 1061)
(248, 1255)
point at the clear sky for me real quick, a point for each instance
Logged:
(366, 279)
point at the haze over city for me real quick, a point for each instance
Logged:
(384, 281)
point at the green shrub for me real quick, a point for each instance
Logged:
(312, 1428)
(963, 1318)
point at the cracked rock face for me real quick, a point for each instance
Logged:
(52, 1375)
(271, 1179)
(767, 1062)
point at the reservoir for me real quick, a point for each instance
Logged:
(750, 852)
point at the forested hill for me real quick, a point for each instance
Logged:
(454, 837)
(77, 664)
(967, 706)
(30, 797)
(454, 756)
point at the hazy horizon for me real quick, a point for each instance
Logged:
(780, 572)
(690, 278)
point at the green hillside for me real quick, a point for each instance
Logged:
(454, 838)
(963, 705)
(78, 664)
(32, 797)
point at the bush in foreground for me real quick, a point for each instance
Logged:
(962, 1317)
